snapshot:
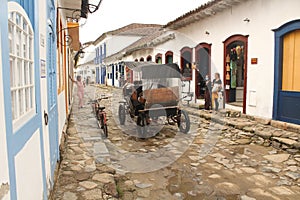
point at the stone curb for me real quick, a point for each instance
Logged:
(278, 140)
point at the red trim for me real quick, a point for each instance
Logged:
(159, 55)
(168, 53)
(197, 48)
(183, 50)
(228, 41)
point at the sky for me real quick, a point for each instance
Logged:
(114, 14)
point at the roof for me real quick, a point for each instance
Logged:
(155, 71)
(206, 10)
(131, 29)
(149, 41)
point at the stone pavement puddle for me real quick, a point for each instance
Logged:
(213, 161)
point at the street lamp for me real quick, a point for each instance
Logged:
(81, 53)
(94, 7)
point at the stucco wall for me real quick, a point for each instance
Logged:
(264, 16)
(116, 43)
(44, 103)
(4, 179)
(29, 170)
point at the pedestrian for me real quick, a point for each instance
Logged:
(216, 88)
(80, 89)
(207, 96)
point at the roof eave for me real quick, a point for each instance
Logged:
(207, 10)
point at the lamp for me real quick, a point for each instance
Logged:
(93, 8)
(247, 20)
(81, 53)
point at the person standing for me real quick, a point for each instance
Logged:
(207, 96)
(216, 88)
(80, 89)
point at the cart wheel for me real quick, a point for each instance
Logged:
(184, 122)
(105, 131)
(122, 114)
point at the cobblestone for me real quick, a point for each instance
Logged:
(223, 158)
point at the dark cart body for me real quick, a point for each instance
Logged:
(156, 94)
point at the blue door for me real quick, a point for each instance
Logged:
(52, 87)
(287, 73)
(97, 75)
(113, 75)
(103, 74)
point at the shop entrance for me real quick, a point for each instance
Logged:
(235, 70)
(287, 73)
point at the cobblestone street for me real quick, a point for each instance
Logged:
(224, 156)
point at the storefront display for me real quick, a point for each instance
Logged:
(234, 68)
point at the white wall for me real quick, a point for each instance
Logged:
(43, 82)
(174, 45)
(3, 146)
(29, 176)
(264, 16)
(116, 43)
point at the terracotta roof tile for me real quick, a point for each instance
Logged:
(205, 10)
(131, 29)
(149, 41)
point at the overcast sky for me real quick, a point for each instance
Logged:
(114, 14)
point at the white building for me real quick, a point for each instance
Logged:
(112, 42)
(253, 44)
(86, 67)
(248, 36)
(35, 60)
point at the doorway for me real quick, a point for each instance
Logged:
(287, 73)
(235, 70)
(203, 63)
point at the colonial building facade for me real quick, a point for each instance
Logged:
(35, 60)
(253, 44)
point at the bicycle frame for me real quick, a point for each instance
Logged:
(100, 115)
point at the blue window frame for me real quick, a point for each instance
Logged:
(17, 139)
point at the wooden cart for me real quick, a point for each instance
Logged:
(149, 95)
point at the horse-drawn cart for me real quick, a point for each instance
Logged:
(157, 93)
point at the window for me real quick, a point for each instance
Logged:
(291, 61)
(169, 57)
(149, 58)
(158, 58)
(22, 83)
(186, 63)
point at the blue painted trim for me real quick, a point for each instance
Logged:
(38, 96)
(17, 140)
(7, 98)
(279, 33)
(113, 75)
(29, 7)
(52, 100)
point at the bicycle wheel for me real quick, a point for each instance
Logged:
(105, 131)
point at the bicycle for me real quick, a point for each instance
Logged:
(100, 115)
